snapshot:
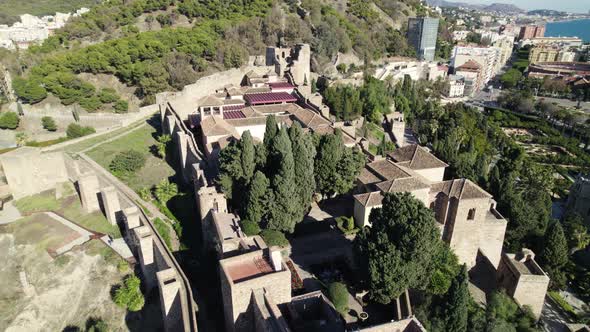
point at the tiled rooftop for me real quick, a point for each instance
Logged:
(248, 268)
(269, 98)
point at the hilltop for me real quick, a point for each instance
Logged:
(168, 57)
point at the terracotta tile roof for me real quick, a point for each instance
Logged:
(250, 90)
(470, 65)
(237, 114)
(280, 85)
(387, 170)
(460, 189)
(367, 177)
(232, 102)
(210, 101)
(215, 126)
(370, 199)
(402, 185)
(269, 98)
(415, 157)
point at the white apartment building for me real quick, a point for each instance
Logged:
(32, 29)
(487, 57)
(456, 86)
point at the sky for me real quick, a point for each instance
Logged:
(579, 6)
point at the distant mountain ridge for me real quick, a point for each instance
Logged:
(495, 7)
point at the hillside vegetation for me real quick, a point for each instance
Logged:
(224, 34)
(10, 10)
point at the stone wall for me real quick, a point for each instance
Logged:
(29, 172)
(158, 265)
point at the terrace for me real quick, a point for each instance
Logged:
(248, 268)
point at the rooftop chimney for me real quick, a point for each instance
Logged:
(276, 258)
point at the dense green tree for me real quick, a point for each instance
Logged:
(396, 252)
(328, 156)
(230, 169)
(511, 78)
(257, 198)
(283, 213)
(304, 153)
(576, 231)
(555, 253)
(29, 91)
(248, 156)
(457, 304)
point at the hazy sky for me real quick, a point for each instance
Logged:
(581, 6)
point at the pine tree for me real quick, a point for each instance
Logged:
(248, 157)
(283, 210)
(457, 304)
(304, 153)
(230, 168)
(256, 201)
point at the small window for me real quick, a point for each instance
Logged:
(471, 214)
(215, 206)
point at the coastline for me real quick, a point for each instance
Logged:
(568, 20)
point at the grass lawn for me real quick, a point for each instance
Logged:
(142, 140)
(70, 208)
(87, 143)
(44, 201)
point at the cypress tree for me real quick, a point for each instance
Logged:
(271, 131)
(248, 158)
(283, 210)
(256, 201)
(457, 304)
(329, 154)
(304, 153)
(555, 251)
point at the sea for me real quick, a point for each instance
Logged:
(576, 28)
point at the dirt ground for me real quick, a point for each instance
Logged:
(61, 292)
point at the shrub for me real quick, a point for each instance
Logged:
(346, 225)
(121, 106)
(48, 123)
(164, 231)
(91, 103)
(74, 130)
(274, 238)
(165, 190)
(108, 96)
(9, 120)
(145, 194)
(127, 162)
(128, 295)
(250, 227)
(338, 294)
(96, 325)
